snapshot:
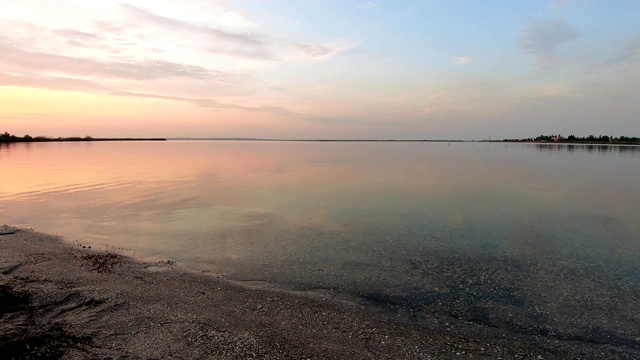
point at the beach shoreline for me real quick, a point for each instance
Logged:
(76, 302)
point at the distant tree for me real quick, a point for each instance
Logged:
(6, 137)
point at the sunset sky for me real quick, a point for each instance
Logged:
(320, 68)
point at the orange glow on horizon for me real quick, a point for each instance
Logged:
(20, 101)
(69, 113)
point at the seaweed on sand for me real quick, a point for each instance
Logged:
(100, 262)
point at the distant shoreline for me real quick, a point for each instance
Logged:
(312, 140)
(408, 141)
(14, 140)
(42, 140)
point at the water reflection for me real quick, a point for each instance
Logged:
(590, 148)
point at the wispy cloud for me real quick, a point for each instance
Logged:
(543, 38)
(630, 53)
(50, 82)
(369, 5)
(556, 90)
(435, 96)
(139, 52)
(71, 84)
(77, 38)
(462, 60)
(34, 62)
(242, 43)
(163, 23)
(232, 19)
(133, 31)
(557, 4)
(319, 52)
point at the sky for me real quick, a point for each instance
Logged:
(331, 69)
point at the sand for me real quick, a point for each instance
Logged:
(59, 300)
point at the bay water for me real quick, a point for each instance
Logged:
(534, 238)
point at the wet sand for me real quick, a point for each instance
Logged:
(62, 300)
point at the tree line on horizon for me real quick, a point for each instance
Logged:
(10, 138)
(7, 137)
(591, 139)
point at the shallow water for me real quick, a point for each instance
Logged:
(538, 239)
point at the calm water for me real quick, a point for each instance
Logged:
(538, 239)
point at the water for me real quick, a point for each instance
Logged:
(539, 239)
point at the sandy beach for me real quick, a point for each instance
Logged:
(59, 300)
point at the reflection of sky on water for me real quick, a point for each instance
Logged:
(403, 223)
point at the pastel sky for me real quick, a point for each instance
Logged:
(430, 69)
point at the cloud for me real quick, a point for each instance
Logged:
(131, 46)
(242, 42)
(557, 4)
(435, 96)
(131, 51)
(321, 51)
(428, 110)
(314, 50)
(543, 38)
(31, 61)
(369, 5)
(71, 84)
(77, 38)
(51, 83)
(630, 53)
(462, 60)
(556, 90)
(233, 19)
(150, 18)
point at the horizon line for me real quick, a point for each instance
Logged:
(317, 140)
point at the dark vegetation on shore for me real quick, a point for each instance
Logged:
(591, 139)
(10, 138)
